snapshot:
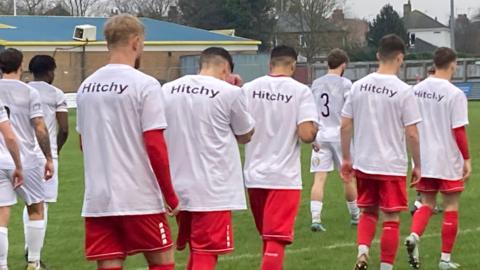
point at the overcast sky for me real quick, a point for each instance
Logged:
(368, 9)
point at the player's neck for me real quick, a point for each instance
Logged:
(337, 72)
(388, 69)
(212, 72)
(443, 74)
(281, 71)
(122, 58)
(12, 76)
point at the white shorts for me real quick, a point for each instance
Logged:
(51, 186)
(32, 190)
(328, 158)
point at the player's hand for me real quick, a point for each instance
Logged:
(235, 79)
(49, 170)
(467, 169)
(416, 176)
(316, 147)
(17, 178)
(173, 212)
(346, 172)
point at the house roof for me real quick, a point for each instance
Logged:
(419, 20)
(288, 23)
(422, 46)
(58, 30)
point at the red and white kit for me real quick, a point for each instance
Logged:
(444, 109)
(272, 159)
(206, 114)
(381, 106)
(123, 204)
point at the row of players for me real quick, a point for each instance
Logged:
(127, 166)
(34, 125)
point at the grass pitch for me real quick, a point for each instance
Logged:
(333, 250)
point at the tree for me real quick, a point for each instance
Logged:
(310, 17)
(205, 14)
(33, 7)
(252, 19)
(156, 9)
(79, 7)
(387, 22)
(6, 7)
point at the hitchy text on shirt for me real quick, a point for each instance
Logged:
(378, 90)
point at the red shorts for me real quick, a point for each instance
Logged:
(115, 237)
(432, 185)
(387, 192)
(206, 232)
(275, 211)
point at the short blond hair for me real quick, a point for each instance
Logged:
(120, 28)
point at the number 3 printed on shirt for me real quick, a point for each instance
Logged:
(326, 100)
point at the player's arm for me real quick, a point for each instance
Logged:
(307, 131)
(413, 143)
(12, 145)
(157, 152)
(41, 133)
(62, 135)
(346, 134)
(307, 117)
(461, 138)
(245, 138)
(241, 122)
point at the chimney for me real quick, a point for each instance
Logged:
(338, 16)
(407, 8)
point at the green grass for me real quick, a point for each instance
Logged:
(333, 250)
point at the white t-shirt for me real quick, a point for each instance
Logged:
(22, 103)
(53, 101)
(278, 105)
(330, 92)
(381, 106)
(444, 107)
(205, 115)
(116, 105)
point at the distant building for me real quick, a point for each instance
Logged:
(291, 31)
(424, 30)
(165, 44)
(356, 29)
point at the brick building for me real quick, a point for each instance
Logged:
(165, 43)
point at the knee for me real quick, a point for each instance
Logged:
(391, 216)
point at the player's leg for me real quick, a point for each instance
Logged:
(427, 188)
(393, 200)
(368, 200)
(104, 242)
(350, 188)
(321, 164)
(211, 236)
(150, 235)
(316, 201)
(4, 220)
(7, 199)
(450, 227)
(32, 192)
(258, 198)
(281, 209)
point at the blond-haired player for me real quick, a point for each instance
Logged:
(121, 120)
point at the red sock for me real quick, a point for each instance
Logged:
(367, 226)
(189, 264)
(449, 230)
(202, 261)
(162, 267)
(421, 219)
(389, 241)
(273, 256)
